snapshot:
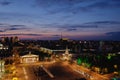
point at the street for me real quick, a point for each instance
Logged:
(59, 70)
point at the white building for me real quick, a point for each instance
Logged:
(29, 58)
(66, 55)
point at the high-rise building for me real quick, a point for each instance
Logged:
(3, 39)
(9, 40)
(101, 43)
(16, 39)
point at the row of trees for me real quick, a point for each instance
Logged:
(100, 63)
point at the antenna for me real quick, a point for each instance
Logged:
(61, 35)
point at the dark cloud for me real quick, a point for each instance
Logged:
(104, 4)
(1, 24)
(72, 29)
(9, 27)
(75, 6)
(14, 28)
(82, 26)
(94, 24)
(94, 5)
(99, 5)
(56, 35)
(49, 3)
(33, 34)
(76, 27)
(1, 31)
(20, 34)
(17, 26)
(104, 22)
(71, 26)
(58, 6)
(113, 35)
(115, 0)
(5, 3)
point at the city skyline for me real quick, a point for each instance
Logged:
(48, 19)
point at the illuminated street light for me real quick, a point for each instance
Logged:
(115, 66)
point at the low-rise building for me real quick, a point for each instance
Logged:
(29, 58)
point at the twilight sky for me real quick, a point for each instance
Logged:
(47, 19)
